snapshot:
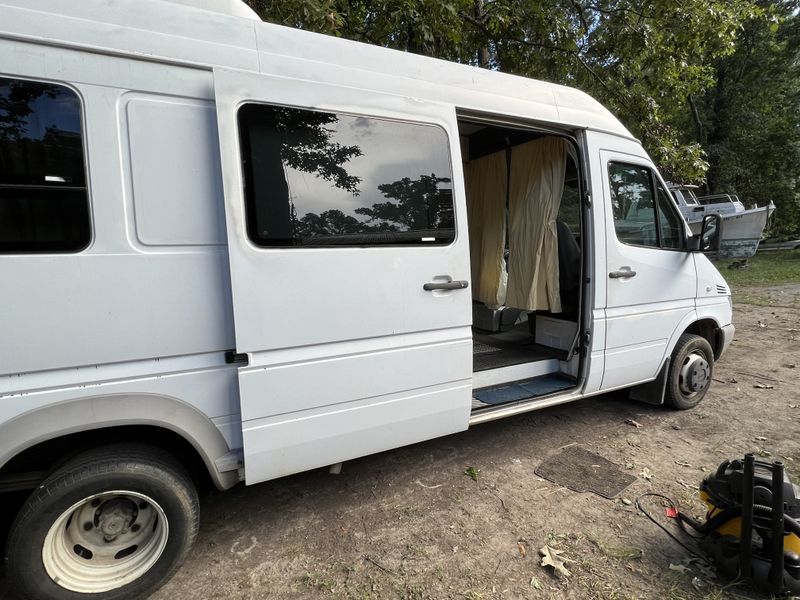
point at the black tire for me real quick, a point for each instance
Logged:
(682, 391)
(147, 474)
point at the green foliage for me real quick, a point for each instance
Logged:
(749, 119)
(765, 268)
(704, 84)
(418, 206)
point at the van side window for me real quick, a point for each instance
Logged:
(644, 215)
(670, 221)
(44, 204)
(325, 179)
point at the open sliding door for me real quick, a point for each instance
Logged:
(349, 259)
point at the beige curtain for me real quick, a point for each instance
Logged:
(537, 182)
(486, 181)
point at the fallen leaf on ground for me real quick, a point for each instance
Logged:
(646, 473)
(626, 502)
(428, 487)
(682, 463)
(679, 568)
(759, 438)
(537, 585)
(522, 551)
(633, 423)
(764, 386)
(552, 558)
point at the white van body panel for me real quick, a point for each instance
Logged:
(133, 329)
(145, 310)
(346, 350)
(642, 312)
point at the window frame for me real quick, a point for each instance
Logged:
(249, 207)
(654, 181)
(86, 188)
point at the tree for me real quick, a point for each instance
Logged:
(748, 121)
(276, 137)
(680, 74)
(419, 205)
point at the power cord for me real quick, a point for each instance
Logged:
(678, 517)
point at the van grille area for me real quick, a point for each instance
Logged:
(721, 289)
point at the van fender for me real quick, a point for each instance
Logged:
(113, 410)
(653, 391)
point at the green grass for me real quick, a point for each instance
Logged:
(765, 268)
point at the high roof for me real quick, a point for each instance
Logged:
(234, 8)
(226, 33)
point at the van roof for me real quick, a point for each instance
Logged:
(189, 32)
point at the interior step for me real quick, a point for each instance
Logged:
(485, 357)
(521, 390)
(513, 373)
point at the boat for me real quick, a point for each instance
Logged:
(742, 228)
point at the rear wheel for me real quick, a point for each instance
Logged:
(113, 523)
(690, 372)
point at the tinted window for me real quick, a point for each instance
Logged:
(642, 216)
(315, 179)
(633, 204)
(670, 220)
(43, 196)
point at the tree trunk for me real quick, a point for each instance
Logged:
(483, 52)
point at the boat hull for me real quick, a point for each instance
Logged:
(741, 232)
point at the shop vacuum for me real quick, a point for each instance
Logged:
(752, 528)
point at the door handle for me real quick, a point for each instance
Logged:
(445, 285)
(623, 274)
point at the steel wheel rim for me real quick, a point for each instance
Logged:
(105, 541)
(694, 375)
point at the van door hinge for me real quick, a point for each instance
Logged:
(587, 199)
(587, 341)
(231, 356)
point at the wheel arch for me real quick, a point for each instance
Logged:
(707, 328)
(43, 437)
(652, 392)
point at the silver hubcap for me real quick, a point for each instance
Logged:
(105, 541)
(695, 374)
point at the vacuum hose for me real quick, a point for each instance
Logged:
(717, 521)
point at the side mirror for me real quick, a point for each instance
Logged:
(710, 235)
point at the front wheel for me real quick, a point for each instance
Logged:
(113, 523)
(690, 372)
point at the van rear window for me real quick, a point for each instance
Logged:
(327, 179)
(43, 195)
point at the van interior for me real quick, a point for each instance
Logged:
(525, 230)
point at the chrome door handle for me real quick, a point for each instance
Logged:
(622, 274)
(445, 285)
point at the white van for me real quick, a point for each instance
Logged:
(232, 251)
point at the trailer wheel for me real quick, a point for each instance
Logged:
(690, 372)
(113, 523)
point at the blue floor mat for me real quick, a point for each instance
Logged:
(521, 390)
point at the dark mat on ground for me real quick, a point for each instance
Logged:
(538, 386)
(582, 471)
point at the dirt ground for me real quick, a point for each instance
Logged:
(410, 524)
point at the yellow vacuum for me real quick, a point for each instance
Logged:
(751, 530)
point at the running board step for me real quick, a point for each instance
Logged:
(521, 390)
